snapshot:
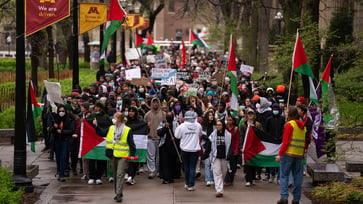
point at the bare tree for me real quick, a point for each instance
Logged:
(152, 8)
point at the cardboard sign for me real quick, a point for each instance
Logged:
(132, 54)
(219, 77)
(150, 59)
(133, 73)
(140, 81)
(54, 91)
(246, 69)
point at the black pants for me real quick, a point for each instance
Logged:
(232, 171)
(96, 168)
(250, 173)
(133, 166)
(73, 150)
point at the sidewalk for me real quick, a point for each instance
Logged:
(144, 191)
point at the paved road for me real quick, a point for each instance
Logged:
(145, 191)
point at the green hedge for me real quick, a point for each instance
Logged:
(349, 84)
(7, 195)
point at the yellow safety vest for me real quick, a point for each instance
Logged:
(121, 147)
(297, 142)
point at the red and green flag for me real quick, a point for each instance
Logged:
(325, 81)
(196, 40)
(34, 110)
(184, 56)
(301, 65)
(92, 146)
(260, 149)
(140, 42)
(116, 16)
(232, 73)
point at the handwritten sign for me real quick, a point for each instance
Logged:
(246, 69)
(133, 73)
(132, 54)
(164, 76)
(160, 61)
(54, 91)
(140, 81)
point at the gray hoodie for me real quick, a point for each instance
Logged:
(189, 133)
(154, 117)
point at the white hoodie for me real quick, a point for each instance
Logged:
(189, 133)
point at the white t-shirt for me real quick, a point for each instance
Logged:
(189, 134)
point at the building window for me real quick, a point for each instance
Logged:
(171, 6)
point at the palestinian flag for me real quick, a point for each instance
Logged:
(232, 73)
(196, 40)
(140, 42)
(184, 56)
(140, 132)
(260, 149)
(116, 15)
(301, 65)
(150, 41)
(325, 82)
(91, 145)
(34, 110)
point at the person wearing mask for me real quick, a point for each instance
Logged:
(214, 87)
(208, 125)
(308, 124)
(119, 145)
(275, 128)
(234, 131)
(189, 134)
(221, 113)
(291, 156)
(64, 127)
(169, 158)
(97, 167)
(153, 118)
(250, 171)
(139, 129)
(219, 151)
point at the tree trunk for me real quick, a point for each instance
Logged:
(87, 50)
(50, 52)
(264, 35)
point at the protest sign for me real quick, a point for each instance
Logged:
(140, 81)
(132, 54)
(164, 76)
(54, 91)
(204, 75)
(160, 61)
(181, 75)
(150, 59)
(133, 73)
(219, 77)
(246, 69)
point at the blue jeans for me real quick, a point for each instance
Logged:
(208, 170)
(190, 162)
(61, 148)
(295, 165)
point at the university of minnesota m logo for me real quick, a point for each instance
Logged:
(50, 1)
(92, 10)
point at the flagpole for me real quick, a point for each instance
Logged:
(288, 97)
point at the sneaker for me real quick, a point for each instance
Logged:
(211, 182)
(151, 176)
(258, 177)
(295, 202)
(228, 184)
(218, 195)
(118, 198)
(126, 176)
(271, 179)
(110, 180)
(185, 186)
(208, 183)
(98, 181)
(238, 166)
(197, 175)
(266, 178)
(282, 201)
(248, 184)
(133, 181)
(84, 177)
(62, 179)
(191, 188)
(129, 180)
(141, 170)
(91, 181)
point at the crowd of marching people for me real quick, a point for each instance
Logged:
(186, 131)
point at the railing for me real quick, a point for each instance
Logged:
(42, 75)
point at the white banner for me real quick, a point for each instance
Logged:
(165, 76)
(133, 74)
(54, 91)
(132, 54)
(246, 69)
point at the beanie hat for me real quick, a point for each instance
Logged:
(255, 98)
(280, 89)
(67, 106)
(301, 99)
(210, 93)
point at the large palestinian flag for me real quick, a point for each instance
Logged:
(260, 149)
(91, 145)
(139, 132)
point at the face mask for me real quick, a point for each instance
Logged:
(269, 103)
(126, 113)
(243, 87)
(97, 112)
(177, 107)
(119, 102)
(214, 83)
(231, 113)
(114, 121)
(62, 114)
(275, 112)
(141, 90)
(133, 89)
(258, 105)
(243, 107)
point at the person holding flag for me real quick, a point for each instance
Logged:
(291, 155)
(119, 145)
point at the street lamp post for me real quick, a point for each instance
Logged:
(279, 17)
(8, 41)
